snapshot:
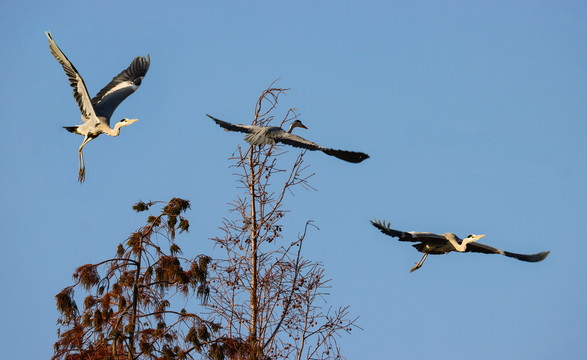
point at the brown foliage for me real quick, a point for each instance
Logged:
(125, 312)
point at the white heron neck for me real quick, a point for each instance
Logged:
(115, 131)
(466, 241)
(456, 242)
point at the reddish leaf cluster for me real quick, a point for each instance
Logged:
(127, 312)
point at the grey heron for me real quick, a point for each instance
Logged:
(96, 112)
(269, 135)
(429, 243)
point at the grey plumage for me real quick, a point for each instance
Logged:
(121, 86)
(96, 112)
(430, 243)
(270, 135)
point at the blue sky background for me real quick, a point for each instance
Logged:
(474, 115)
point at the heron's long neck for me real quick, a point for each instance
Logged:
(459, 245)
(291, 127)
(465, 242)
(115, 131)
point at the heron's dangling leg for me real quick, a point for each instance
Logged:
(82, 168)
(420, 263)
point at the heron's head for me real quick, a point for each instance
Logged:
(473, 238)
(296, 124)
(299, 124)
(127, 122)
(122, 123)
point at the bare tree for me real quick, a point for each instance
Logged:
(268, 299)
(129, 312)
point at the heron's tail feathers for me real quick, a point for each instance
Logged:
(71, 129)
(530, 258)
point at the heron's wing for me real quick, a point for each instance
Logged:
(384, 228)
(350, 156)
(482, 248)
(80, 92)
(296, 141)
(232, 127)
(121, 86)
(486, 249)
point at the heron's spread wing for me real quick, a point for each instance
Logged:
(384, 228)
(486, 249)
(80, 92)
(350, 156)
(296, 141)
(121, 86)
(482, 248)
(231, 127)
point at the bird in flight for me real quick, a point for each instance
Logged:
(270, 135)
(435, 244)
(96, 112)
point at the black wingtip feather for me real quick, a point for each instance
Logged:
(384, 228)
(350, 156)
(530, 258)
(223, 124)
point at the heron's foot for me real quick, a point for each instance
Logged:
(82, 175)
(418, 265)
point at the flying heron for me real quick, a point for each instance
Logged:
(96, 113)
(429, 243)
(269, 135)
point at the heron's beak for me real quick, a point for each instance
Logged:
(303, 126)
(480, 236)
(132, 120)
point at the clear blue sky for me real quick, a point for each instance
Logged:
(474, 114)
